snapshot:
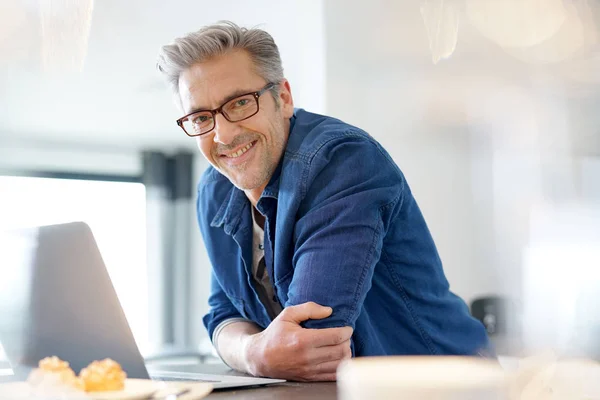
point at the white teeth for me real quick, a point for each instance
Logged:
(240, 151)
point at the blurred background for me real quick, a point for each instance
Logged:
(488, 106)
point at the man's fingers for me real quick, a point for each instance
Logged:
(330, 336)
(329, 367)
(331, 353)
(305, 311)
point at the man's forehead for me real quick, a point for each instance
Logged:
(211, 95)
(207, 85)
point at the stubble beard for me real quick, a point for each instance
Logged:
(265, 162)
(249, 180)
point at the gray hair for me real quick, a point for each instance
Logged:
(214, 40)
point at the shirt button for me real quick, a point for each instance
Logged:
(261, 247)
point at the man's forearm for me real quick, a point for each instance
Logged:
(231, 341)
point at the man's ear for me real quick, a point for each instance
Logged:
(285, 98)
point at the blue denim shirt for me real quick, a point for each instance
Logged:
(343, 230)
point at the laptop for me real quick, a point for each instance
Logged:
(56, 298)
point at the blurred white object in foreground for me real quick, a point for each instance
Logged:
(540, 377)
(409, 378)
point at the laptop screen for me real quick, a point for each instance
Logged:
(56, 298)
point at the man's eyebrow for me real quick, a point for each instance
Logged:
(232, 96)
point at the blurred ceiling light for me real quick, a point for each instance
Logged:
(441, 18)
(65, 31)
(576, 34)
(517, 23)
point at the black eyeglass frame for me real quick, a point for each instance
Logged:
(219, 110)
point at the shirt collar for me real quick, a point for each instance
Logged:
(272, 188)
(231, 210)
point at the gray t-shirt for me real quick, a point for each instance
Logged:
(259, 270)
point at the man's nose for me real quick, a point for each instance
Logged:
(225, 131)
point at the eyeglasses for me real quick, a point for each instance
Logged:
(234, 110)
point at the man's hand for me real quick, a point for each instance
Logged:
(288, 351)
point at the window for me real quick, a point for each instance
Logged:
(116, 213)
(561, 277)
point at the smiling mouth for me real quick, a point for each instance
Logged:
(240, 151)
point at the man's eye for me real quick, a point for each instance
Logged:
(200, 119)
(241, 102)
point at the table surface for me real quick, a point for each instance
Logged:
(287, 390)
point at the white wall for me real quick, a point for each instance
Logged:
(119, 98)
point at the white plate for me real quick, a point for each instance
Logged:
(135, 389)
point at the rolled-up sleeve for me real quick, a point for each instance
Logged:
(351, 188)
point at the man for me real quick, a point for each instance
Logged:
(318, 248)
